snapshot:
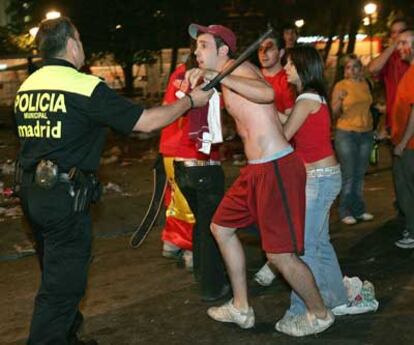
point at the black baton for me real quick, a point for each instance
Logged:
(243, 57)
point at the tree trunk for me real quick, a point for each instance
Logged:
(353, 30)
(341, 44)
(127, 68)
(174, 58)
(339, 54)
(335, 25)
(327, 48)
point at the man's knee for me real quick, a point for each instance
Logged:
(281, 261)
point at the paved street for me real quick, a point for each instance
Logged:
(137, 297)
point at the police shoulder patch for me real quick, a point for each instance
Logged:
(61, 78)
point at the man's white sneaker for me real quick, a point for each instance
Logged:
(229, 313)
(265, 276)
(349, 220)
(304, 324)
(405, 242)
(365, 217)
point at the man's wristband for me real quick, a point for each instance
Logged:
(191, 100)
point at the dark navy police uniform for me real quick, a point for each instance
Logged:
(62, 116)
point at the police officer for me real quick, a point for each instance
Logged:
(61, 117)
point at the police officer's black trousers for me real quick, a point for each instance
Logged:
(64, 238)
(203, 188)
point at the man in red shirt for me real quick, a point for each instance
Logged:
(390, 67)
(402, 135)
(271, 67)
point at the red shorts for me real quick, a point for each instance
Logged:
(272, 195)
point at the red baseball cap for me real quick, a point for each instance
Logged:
(221, 31)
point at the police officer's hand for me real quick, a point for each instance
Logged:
(200, 97)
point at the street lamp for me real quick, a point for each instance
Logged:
(299, 23)
(369, 9)
(33, 31)
(52, 15)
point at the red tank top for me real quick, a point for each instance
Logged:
(312, 142)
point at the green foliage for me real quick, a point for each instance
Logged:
(15, 43)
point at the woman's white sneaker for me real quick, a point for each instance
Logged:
(304, 324)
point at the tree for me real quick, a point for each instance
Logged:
(15, 37)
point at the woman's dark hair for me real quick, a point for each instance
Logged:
(310, 68)
(53, 35)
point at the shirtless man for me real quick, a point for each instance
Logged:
(270, 190)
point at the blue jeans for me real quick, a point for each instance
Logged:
(353, 150)
(322, 188)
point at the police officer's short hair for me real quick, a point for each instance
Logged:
(53, 35)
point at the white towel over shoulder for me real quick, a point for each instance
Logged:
(214, 134)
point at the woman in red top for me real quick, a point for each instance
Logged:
(308, 126)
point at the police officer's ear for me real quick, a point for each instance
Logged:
(71, 46)
(74, 52)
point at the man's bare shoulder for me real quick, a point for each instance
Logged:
(248, 70)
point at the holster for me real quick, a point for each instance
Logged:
(18, 178)
(87, 190)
